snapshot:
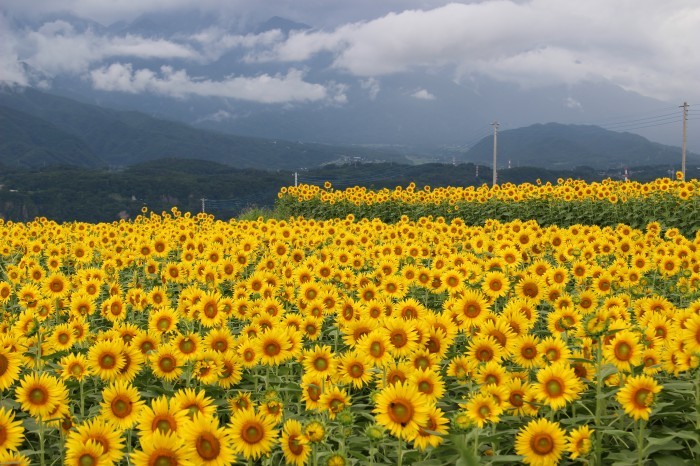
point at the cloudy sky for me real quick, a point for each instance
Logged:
(648, 47)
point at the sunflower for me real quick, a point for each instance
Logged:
(114, 309)
(690, 334)
(121, 404)
(485, 349)
(252, 434)
(206, 443)
(56, 286)
(519, 392)
(491, 373)
(355, 367)
(74, 366)
(624, 350)
(231, 369)
(161, 448)
(319, 360)
(81, 453)
(402, 409)
(578, 443)
(525, 352)
(273, 346)
(553, 349)
(161, 416)
(103, 433)
(541, 442)
(166, 363)
(403, 337)
(193, 403)
(471, 309)
(531, 287)
(429, 383)
(334, 400)
(145, 342)
(482, 408)
(312, 388)
(558, 385)
(11, 431)
(376, 346)
(637, 396)
(13, 458)
(39, 394)
(434, 430)
(295, 445)
(10, 366)
(495, 284)
(163, 320)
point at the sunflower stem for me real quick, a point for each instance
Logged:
(598, 405)
(82, 399)
(399, 459)
(42, 460)
(640, 442)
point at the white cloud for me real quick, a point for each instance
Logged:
(372, 86)
(572, 103)
(641, 45)
(423, 94)
(11, 70)
(56, 47)
(177, 83)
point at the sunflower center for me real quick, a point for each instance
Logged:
(253, 433)
(166, 364)
(643, 398)
(623, 351)
(356, 370)
(87, 460)
(484, 411)
(425, 387)
(210, 310)
(528, 352)
(56, 286)
(495, 285)
(314, 393)
(552, 354)
(121, 407)
(208, 446)
(272, 349)
(76, 370)
(108, 361)
(376, 349)
(399, 339)
(320, 364)
(554, 387)
(162, 425)
(63, 338)
(542, 444)
(187, 346)
(38, 395)
(294, 445)
(401, 412)
(490, 379)
(485, 354)
(516, 399)
(4, 364)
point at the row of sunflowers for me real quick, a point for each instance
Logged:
(184, 340)
(675, 204)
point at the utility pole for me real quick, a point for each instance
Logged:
(202, 199)
(685, 126)
(495, 150)
(296, 179)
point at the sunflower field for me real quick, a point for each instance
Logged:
(185, 340)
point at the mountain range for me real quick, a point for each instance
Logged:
(38, 129)
(425, 112)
